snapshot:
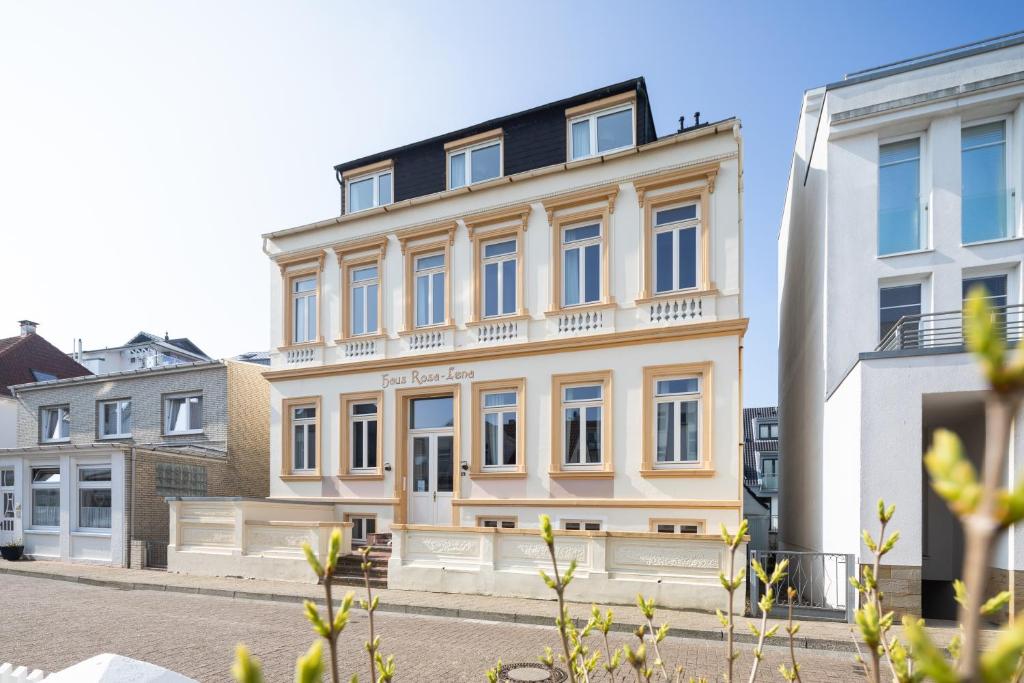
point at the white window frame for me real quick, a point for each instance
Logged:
(581, 524)
(592, 118)
(168, 430)
(582, 272)
(35, 486)
(468, 152)
(676, 228)
(678, 400)
(364, 418)
(63, 420)
(762, 458)
(1011, 177)
(375, 177)
(500, 260)
(362, 286)
(93, 485)
(120, 432)
(677, 527)
(769, 424)
(583, 405)
(497, 523)
(304, 423)
(308, 334)
(500, 411)
(431, 294)
(362, 537)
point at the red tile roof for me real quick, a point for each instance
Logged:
(19, 356)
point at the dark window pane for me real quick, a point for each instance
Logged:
(371, 443)
(491, 289)
(311, 446)
(572, 435)
(445, 464)
(364, 409)
(587, 393)
(674, 215)
(688, 431)
(896, 302)
(357, 444)
(509, 429)
(592, 271)
(615, 130)
(666, 432)
(508, 294)
(299, 447)
(593, 435)
(687, 258)
(429, 413)
(491, 439)
(486, 163)
(663, 262)
(421, 464)
(438, 287)
(571, 277)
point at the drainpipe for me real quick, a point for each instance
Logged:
(131, 527)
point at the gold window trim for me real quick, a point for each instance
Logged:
(558, 469)
(345, 471)
(296, 266)
(287, 474)
(351, 257)
(704, 467)
(476, 465)
(490, 227)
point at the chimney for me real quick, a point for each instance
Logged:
(696, 119)
(682, 123)
(27, 327)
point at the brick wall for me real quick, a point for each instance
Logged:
(901, 586)
(248, 414)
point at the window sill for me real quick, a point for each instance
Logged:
(428, 328)
(374, 475)
(581, 474)
(581, 308)
(89, 533)
(45, 531)
(55, 442)
(679, 293)
(114, 437)
(188, 432)
(480, 322)
(362, 337)
(304, 345)
(498, 474)
(898, 254)
(997, 240)
(301, 477)
(479, 183)
(680, 472)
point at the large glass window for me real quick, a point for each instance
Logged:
(893, 304)
(582, 408)
(363, 430)
(369, 191)
(304, 311)
(430, 289)
(183, 414)
(601, 132)
(115, 418)
(431, 413)
(581, 264)
(94, 497)
(677, 420)
(675, 248)
(985, 198)
(500, 416)
(899, 197)
(499, 266)
(46, 497)
(474, 164)
(55, 423)
(365, 286)
(304, 441)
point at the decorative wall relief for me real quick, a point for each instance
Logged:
(442, 545)
(649, 555)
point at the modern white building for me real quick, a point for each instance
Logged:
(144, 350)
(903, 195)
(541, 313)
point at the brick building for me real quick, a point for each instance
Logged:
(97, 455)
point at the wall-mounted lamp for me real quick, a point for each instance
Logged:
(387, 467)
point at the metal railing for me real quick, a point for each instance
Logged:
(946, 329)
(821, 581)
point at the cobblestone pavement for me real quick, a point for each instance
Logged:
(50, 624)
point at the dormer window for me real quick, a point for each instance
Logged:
(474, 159)
(600, 132)
(368, 187)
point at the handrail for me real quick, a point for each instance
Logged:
(945, 329)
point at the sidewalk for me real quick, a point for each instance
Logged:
(813, 634)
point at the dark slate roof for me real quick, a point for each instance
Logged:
(19, 356)
(752, 445)
(183, 343)
(258, 357)
(533, 138)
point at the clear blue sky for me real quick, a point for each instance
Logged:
(144, 147)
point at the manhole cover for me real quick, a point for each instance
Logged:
(521, 673)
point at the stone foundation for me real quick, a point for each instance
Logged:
(999, 580)
(901, 589)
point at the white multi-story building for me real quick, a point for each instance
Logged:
(903, 196)
(541, 313)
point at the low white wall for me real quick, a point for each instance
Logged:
(254, 539)
(612, 567)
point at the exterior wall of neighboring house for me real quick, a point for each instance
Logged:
(141, 352)
(147, 464)
(849, 413)
(761, 464)
(8, 422)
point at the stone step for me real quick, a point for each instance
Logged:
(358, 581)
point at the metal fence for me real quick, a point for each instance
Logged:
(156, 554)
(821, 581)
(946, 329)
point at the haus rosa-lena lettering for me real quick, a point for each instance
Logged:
(420, 377)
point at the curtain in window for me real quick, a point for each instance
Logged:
(52, 424)
(580, 139)
(94, 508)
(175, 421)
(46, 507)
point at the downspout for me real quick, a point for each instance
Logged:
(739, 206)
(341, 193)
(131, 522)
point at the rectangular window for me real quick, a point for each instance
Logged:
(363, 526)
(601, 132)
(499, 271)
(94, 497)
(367, 192)
(474, 164)
(676, 234)
(363, 429)
(429, 274)
(769, 472)
(985, 197)
(364, 287)
(581, 525)
(500, 416)
(46, 497)
(899, 197)
(581, 264)
(304, 441)
(115, 418)
(677, 421)
(994, 286)
(895, 303)
(582, 407)
(767, 430)
(496, 523)
(671, 526)
(55, 424)
(183, 414)
(304, 309)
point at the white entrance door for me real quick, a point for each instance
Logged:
(432, 464)
(7, 531)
